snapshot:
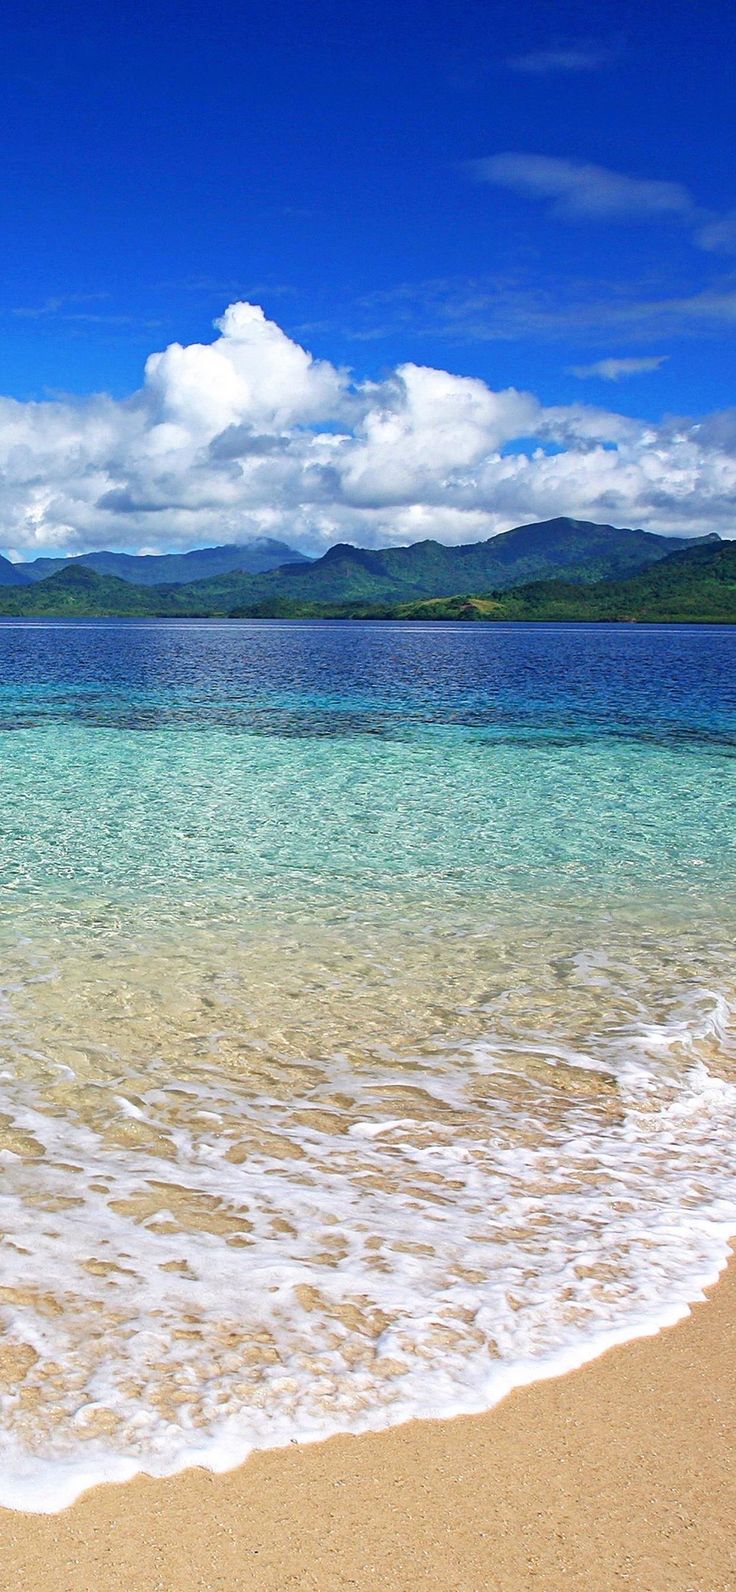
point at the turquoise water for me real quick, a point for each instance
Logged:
(367, 1003)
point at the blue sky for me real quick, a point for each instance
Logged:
(539, 196)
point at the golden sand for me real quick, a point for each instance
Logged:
(621, 1475)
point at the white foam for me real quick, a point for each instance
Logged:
(357, 1267)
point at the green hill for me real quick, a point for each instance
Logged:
(256, 578)
(76, 593)
(574, 548)
(697, 582)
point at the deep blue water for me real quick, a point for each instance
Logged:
(664, 682)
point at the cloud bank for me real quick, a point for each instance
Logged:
(251, 435)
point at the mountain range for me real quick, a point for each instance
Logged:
(576, 548)
(559, 568)
(161, 569)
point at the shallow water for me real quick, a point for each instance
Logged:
(367, 1006)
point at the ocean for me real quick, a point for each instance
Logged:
(367, 997)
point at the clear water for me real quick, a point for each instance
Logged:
(367, 1041)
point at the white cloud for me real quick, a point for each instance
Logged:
(426, 423)
(712, 304)
(581, 191)
(565, 58)
(576, 190)
(517, 308)
(250, 435)
(719, 234)
(254, 373)
(617, 369)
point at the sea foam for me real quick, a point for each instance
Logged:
(217, 1268)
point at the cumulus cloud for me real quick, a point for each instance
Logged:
(253, 372)
(617, 369)
(581, 191)
(251, 435)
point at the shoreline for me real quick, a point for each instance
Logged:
(674, 621)
(618, 1474)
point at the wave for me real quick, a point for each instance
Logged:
(197, 1263)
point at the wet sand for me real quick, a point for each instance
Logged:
(620, 1475)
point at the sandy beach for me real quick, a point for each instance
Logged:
(619, 1475)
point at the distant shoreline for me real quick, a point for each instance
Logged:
(369, 619)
